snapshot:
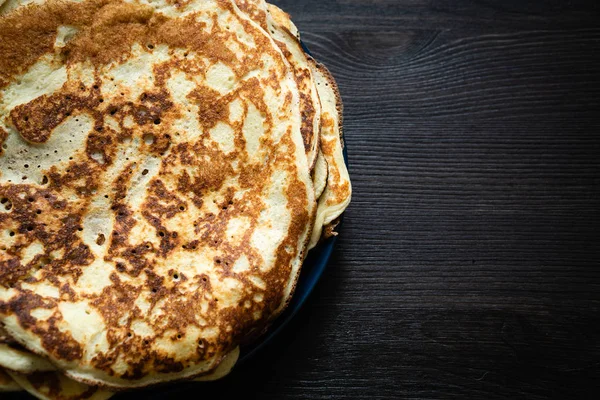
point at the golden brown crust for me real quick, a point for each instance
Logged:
(3, 136)
(329, 229)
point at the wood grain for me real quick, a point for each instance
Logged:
(467, 265)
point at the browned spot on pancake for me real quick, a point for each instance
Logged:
(23, 39)
(3, 137)
(109, 36)
(101, 239)
(124, 223)
(36, 120)
(210, 169)
(328, 148)
(101, 145)
(82, 177)
(46, 382)
(213, 107)
(116, 300)
(161, 201)
(179, 3)
(308, 114)
(152, 107)
(288, 101)
(29, 225)
(340, 193)
(253, 92)
(11, 270)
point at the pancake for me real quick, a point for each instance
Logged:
(43, 381)
(22, 361)
(335, 196)
(7, 384)
(56, 386)
(338, 191)
(289, 44)
(156, 196)
(39, 377)
(310, 104)
(18, 359)
(283, 23)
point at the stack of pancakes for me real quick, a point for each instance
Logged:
(165, 166)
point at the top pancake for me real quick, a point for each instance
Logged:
(156, 196)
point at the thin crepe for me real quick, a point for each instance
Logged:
(330, 176)
(338, 192)
(143, 146)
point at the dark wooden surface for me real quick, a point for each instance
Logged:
(467, 266)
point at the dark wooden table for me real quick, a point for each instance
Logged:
(467, 265)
